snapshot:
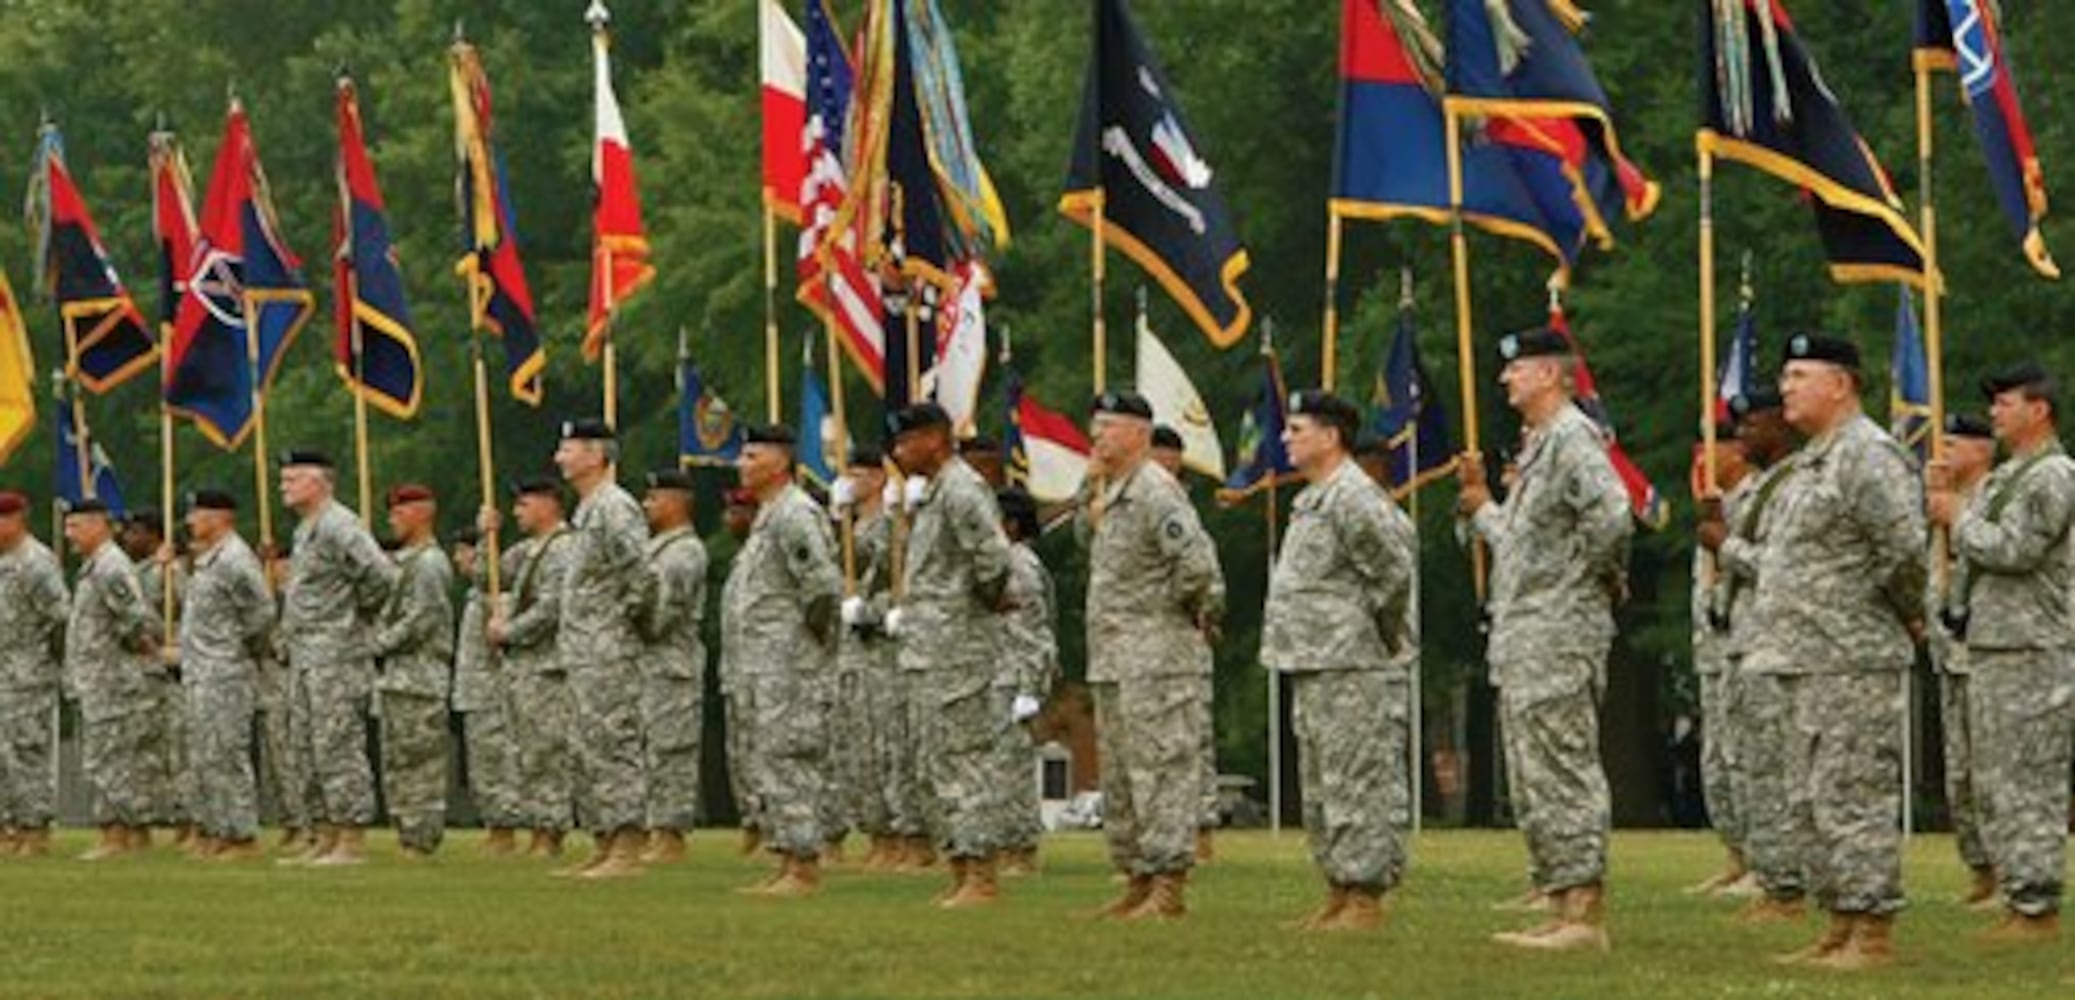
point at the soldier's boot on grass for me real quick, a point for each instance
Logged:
(348, 848)
(290, 837)
(622, 856)
(184, 835)
(961, 869)
(1549, 925)
(1581, 924)
(776, 875)
(1534, 900)
(137, 837)
(33, 842)
(665, 847)
(752, 842)
(920, 858)
(1981, 887)
(312, 845)
(1871, 946)
(601, 848)
(1834, 936)
(1136, 890)
(1732, 871)
(1165, 901)
(1362, 912)
(1773, 910)
(10, 841)
(2019, 928)
(1336, 900)
(1745, 887)
(981, 886)
(875, 856)
(832, 853)
(1018, 862)
(114, 843)
(1206, 846)
(228, 851)
(799, 877)
(544, 844)
(203, 847)
(500, 842)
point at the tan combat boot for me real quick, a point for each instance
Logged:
(1834, 936)
(314, 844)
(961, 869)
(799, 877)
(1336, 900)
(500, 842)
(922, 854)
(1165, 901)
(665, 847)
(33, 842)
(601, 849)
(184, 835)
(622, 858)
(1981, 888)
(10, 841)
(1521, 938)
(137, 837)
(1732, 870)
(763, 885)
(235, 850)
(1872, 945)
(833, 854)
(1769, 910)
(114, 843)
(348, 848)
(290, 837)
(1534, 900)
(875, 855)
(1206, 846)
(1136, 891)
(981, 886)
(752, 842)
(203, 847)
(1581, 924)
(2019, 928)
(1362, 912)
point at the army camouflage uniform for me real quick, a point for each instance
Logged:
(540, 707)
(1339, 621)
(223, 628)
(1029, 666)
(1153, 585)
(338, 580)
(1757, 705)
(602, 653)
(868, 694)
(183, 792)
(111, 650)
(414, 640)
(673, 684)
(1717, 728)
(778, 618)
(1840, 579)
(480, 694)
(2014, 540)
(281, 777)
(1559, 552)
(34, 606)
(957, 570)
(1963, 797)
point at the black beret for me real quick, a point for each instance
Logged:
(778, 434)
(1168, 438)
(1321, 405)
(89, 505)
(587, 429)
(1742, 405)
(1372, 446)
(1967, 425)
(537, 486)
(2028, 375)
(1018, 507)
(467, 536)
(211, 499)
(148, 518)
(672, 479)
(1540, 342)
(920, 416)
(1725, 430)
(979, 446)
(1121, 403)
(865, 454)
(305, 456)
(1829, 350)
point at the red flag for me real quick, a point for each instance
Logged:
(783, 60)
(1642, 496)
(619, 243)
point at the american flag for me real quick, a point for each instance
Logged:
(834, 281)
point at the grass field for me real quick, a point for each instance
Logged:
(467, 925)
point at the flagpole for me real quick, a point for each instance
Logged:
(609, 357)
(1416, 764)
(259, 433)
(1329, 351)
(1097, 272)
(82, 447)
(772, 404)
(166, 456)
(362, 465)
(1710, 482)
(1274, 690)
(1934, 363)
(828, 328)
(1465, 347)
(485, 460)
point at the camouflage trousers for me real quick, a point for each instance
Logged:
(2024, 729)
(1021, 823)
(124, 753)
(863, 759)
(1844, 768)
(611, 789)
(278, 775)
(219, 748)
(737, 749)
(1149, 740)
(28, 790)
(1562, 804)
(541, 712)
(327, 718)
(785, 777)
(1718, 757)
(1352, 727)
(962, 730)
(907, 784)
(672, 712)
(183, 790)
(1773, 847)
(1208, 817)
(414, 767)
(492, 757)
(1962, 796)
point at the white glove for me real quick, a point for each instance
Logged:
(890, 495)
(843, 495)
(1025, 708)
(853, 611)
(891, 624)
(917, 486)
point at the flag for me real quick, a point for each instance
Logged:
(1967, 36)
(1137, 163)
(782, 62)
(375, 348)
(1176, 403)
(834, 281)
(1764, 104)
(707, 432)
(245, 300)
(1407, 416)
(1262, 460)
(1643, 498)
(1909, 392)
(17, 375)
(173, 224)
(106, 337)
(1047, 453)
(820, 451)
(1739, 366)
(80, 461)
(500, 302)
(619, 242)
(961, 350)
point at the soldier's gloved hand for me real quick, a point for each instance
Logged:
(169, 656)
(890, 495)
(853, 611)
(843, 494)
(1025, 708)
(892, 623)
(916, 487)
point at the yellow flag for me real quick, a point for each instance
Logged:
(17, 375)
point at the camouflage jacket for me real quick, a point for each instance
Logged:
(1030, 649)
(604, 581)
(338, 580)
(415, 636)
(227, 616)
(532, 631)
(1943, 595)
(778, 609)
(1751, 508)
(956, 571)
(112, 639)
(1340, 597)
(2013, 540)
(1153, 581)
(34, 605)
(475, 681)
(672, 606)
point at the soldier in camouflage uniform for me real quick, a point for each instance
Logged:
(111, 649)
(738, 518)
(779, 614)
(143, 539)
(525, 632)
(1154, 592)
(1339, 621)
(1711, 674)
(414, 641)
(281, 777)
(224, 625)
(668, 616)
(1168, 452)
(34, 605)
(1559, 547)
(2013, 606)
(868, 698)
(1029, 669)
(947, 618)
(1840, 586)
(1970, 452)
(480, 696)
(338, 580)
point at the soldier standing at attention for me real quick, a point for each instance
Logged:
(1155, 593)
(779, 614)
(223, 632)
(1711, 670)
(2012, 539)
(737, 519)
(111, 649)
(1029, 668)
(480, 693)
(867, 688)
(1970, 452)
(1559, 548)
(1168, 450)
(948, 621)
(525, 634)
(602, 651)
(143, 539)
(668, 616)
(34, 605)
(414, 641)
(1339, 621)
(1840, 587)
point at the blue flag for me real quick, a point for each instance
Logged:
(376, 349)
(811, 455)
(1909, 400)
(1408, 417)
(80, 460)
(1262, 459)
(707, 432)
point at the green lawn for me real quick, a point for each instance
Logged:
(465, 925)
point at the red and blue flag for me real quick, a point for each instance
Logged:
(1967, 36)
(375, 348)
(108, 340)
(500, 301)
